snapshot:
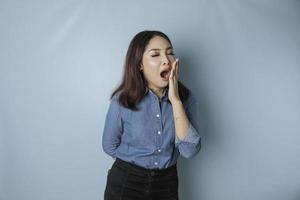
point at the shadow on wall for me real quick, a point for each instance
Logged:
(191, 76)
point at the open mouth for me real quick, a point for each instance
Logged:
(165, 74)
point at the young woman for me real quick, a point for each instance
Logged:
(151, 120)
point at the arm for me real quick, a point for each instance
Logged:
(187, 138)
(113, 129)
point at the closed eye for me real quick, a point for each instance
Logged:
(158, 54)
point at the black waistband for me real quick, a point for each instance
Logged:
(127, 165)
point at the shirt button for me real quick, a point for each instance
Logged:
(155, 163)
(159, 150)
(157, 115)
(158, 132)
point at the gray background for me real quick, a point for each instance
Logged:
(60, 60)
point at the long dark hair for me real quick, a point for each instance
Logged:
(134, 86)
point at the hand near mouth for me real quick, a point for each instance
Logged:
(173, 93)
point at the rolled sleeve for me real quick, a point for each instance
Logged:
(113, 129)
(191, 137)
(190, 145)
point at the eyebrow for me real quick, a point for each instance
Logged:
(160, 49)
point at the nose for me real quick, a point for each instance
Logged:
(165, 60)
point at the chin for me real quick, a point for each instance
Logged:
(165, 84)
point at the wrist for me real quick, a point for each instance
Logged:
(176, 102)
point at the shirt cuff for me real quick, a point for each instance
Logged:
(191, 137)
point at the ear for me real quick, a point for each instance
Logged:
(141, 67)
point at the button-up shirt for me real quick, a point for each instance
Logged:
(147, 137)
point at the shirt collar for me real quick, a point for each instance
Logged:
(164, 96)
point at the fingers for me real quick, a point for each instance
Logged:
(171, 74)
(174, 70)
(177, 68)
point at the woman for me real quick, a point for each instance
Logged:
(151, 120)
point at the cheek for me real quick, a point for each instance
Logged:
(151, 73)
(152, 67)
(153, 63)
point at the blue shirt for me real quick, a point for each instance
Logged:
(147, 137)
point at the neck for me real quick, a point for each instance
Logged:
(159, 91)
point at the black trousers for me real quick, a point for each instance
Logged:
(126, 181)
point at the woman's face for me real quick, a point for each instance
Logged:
(158, 57)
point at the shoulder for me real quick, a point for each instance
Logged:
(114, 103)
(115, 97)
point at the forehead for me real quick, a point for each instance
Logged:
(158, 42)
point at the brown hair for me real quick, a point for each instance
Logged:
(133, 86)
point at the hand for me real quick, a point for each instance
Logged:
(173, 82)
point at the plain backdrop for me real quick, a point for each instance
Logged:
(60, 61)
